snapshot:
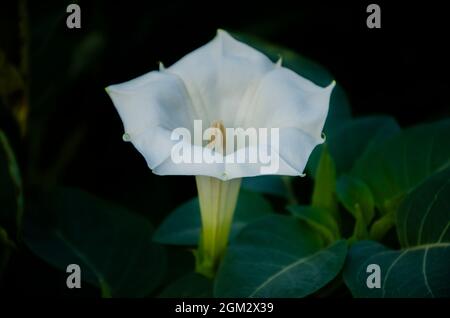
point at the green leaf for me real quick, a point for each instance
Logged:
(112, 246)
(421, 268)
(273, 185)
(352, 138)
(421, 271)
(11, 193)
(424, 216)
(192, 285)
(382, 225)
(319, 219)
(182, 226)
(356, 197)
(324, 195)
(277, 257)
(395, 167)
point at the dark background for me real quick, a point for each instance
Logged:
(74, 133)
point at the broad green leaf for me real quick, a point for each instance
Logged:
(324, 195)
(395, 167)
(358, 135)
(112, 245)
(182, 226)
(424, 216)
(277, 257)
(420, 271)
(192, 285)
(422, 268)
(274, 185)
(352, 138)
(356, 197)
(319, 219)
(11, 193)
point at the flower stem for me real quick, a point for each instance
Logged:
(217, 204)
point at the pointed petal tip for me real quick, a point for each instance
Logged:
(111, 89)
(332, 85)
(161, 66)
(280, 61)
(223, 35)
(221, 32)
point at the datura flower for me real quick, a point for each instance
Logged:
(241, 98)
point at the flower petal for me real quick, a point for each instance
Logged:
(227, 81)
(285, 99)
(297, 107)
(151, 107)
(220, 75)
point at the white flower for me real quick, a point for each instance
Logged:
(226, 84)
(227, 81)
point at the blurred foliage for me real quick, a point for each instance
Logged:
(11, 201)
(14, 75)
(11, 196)
(112, 245)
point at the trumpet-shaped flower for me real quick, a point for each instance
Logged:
(224, 84)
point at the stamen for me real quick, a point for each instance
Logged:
(218, 144)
